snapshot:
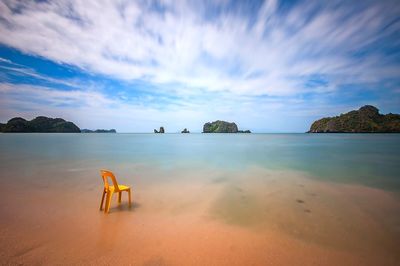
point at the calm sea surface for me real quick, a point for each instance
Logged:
(273, 197)
(368, 159)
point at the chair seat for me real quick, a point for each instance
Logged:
(120, 187)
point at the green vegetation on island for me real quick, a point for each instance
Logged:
(365, 120)
(39, 124)
(222, 127)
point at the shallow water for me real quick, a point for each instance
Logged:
(334, 196)
(368, 159)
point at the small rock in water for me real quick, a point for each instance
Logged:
(160, 131)
(300, 201)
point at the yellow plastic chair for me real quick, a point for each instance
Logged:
(110, 190)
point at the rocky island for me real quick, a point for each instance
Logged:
(185, 131)
(160, 131)
(98, 131)
(222, 127)
(365, 120)
(40, 124)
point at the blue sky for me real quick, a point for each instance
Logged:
(270, 66)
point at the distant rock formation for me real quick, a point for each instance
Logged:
(2, 127)
(98, 131)
(222, 127)
(185, 131)
(40, 124)
(365, 120)
(160, 131)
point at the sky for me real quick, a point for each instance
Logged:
(269, 66)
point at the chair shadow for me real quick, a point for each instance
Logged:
(125, 207)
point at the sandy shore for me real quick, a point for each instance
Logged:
(252, 217)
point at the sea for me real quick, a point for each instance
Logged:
(335, 193)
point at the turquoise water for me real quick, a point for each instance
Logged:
(367, 159)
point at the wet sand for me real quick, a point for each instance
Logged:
(203, 217)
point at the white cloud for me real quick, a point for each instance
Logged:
(23, 71)
(3, 60)
(272, 55)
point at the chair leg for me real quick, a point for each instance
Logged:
(102, 200)
(108, 201)
(119, 197)
(129, 194)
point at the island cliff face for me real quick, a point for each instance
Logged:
(365, 120)
(39, 124)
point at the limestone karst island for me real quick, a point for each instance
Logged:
(42, 124)
(367, 119)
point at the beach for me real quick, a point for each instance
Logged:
(187, 210)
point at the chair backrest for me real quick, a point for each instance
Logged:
(105, 174)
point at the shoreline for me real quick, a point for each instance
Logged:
(183, 221)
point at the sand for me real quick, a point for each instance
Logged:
(205, 217)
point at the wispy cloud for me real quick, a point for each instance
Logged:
(271, 53)
(19, 70)
(3, 60)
